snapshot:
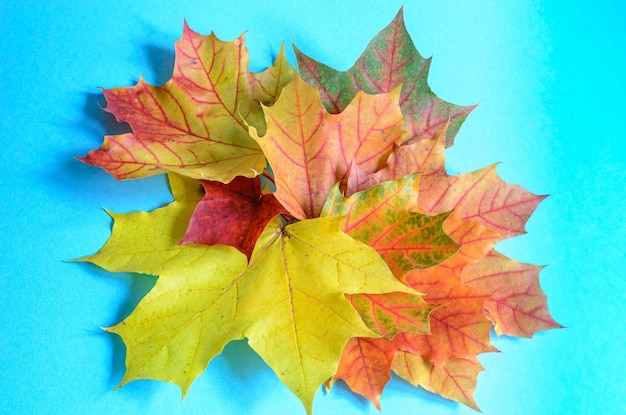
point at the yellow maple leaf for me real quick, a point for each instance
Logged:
(289, 301)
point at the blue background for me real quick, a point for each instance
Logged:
(550, 78)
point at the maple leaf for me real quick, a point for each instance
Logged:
(296, 271)
(232, 214)
(303, 137)
(389, 60)
(365, 366)
(379, 217)
(459, 329)
(320, 265)
(455, 379)
(516, 305)
(364, 255)
(193, 124)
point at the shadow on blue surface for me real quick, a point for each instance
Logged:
(162, 62)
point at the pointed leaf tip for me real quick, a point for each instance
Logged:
(389, 60)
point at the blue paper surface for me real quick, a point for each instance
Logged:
(550, 81)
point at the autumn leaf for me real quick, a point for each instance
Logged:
(301, 271)
(365, 366)
(194, 124)
(139, 237)
(309, 150)
(516, 305)
(455, 379)
(147, 242)
(390, 60)
(296, 271)
(380, 218)
(360, 256)
(482, 196)
(459, 329)
(232, 214)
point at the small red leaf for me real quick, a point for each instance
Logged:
(232, 214)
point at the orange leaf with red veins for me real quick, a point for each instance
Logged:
(475, 242)
(424, 156)
(517, 305)
(232, 214)
(454, 379)
(309, 149)
(365, 366)
(459, 329)
(391, 313)
(480, 196)
(193, 124)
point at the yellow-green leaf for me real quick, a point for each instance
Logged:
(289, 300)
(144, 242)
(379, 217)
(294, 291)
(187, 318)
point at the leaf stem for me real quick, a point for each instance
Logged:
(288, 218)
(268, 176)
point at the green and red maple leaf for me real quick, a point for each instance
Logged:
(361, 258)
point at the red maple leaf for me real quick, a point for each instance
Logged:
(232, 214)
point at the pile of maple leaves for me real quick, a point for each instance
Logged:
(355, 256)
